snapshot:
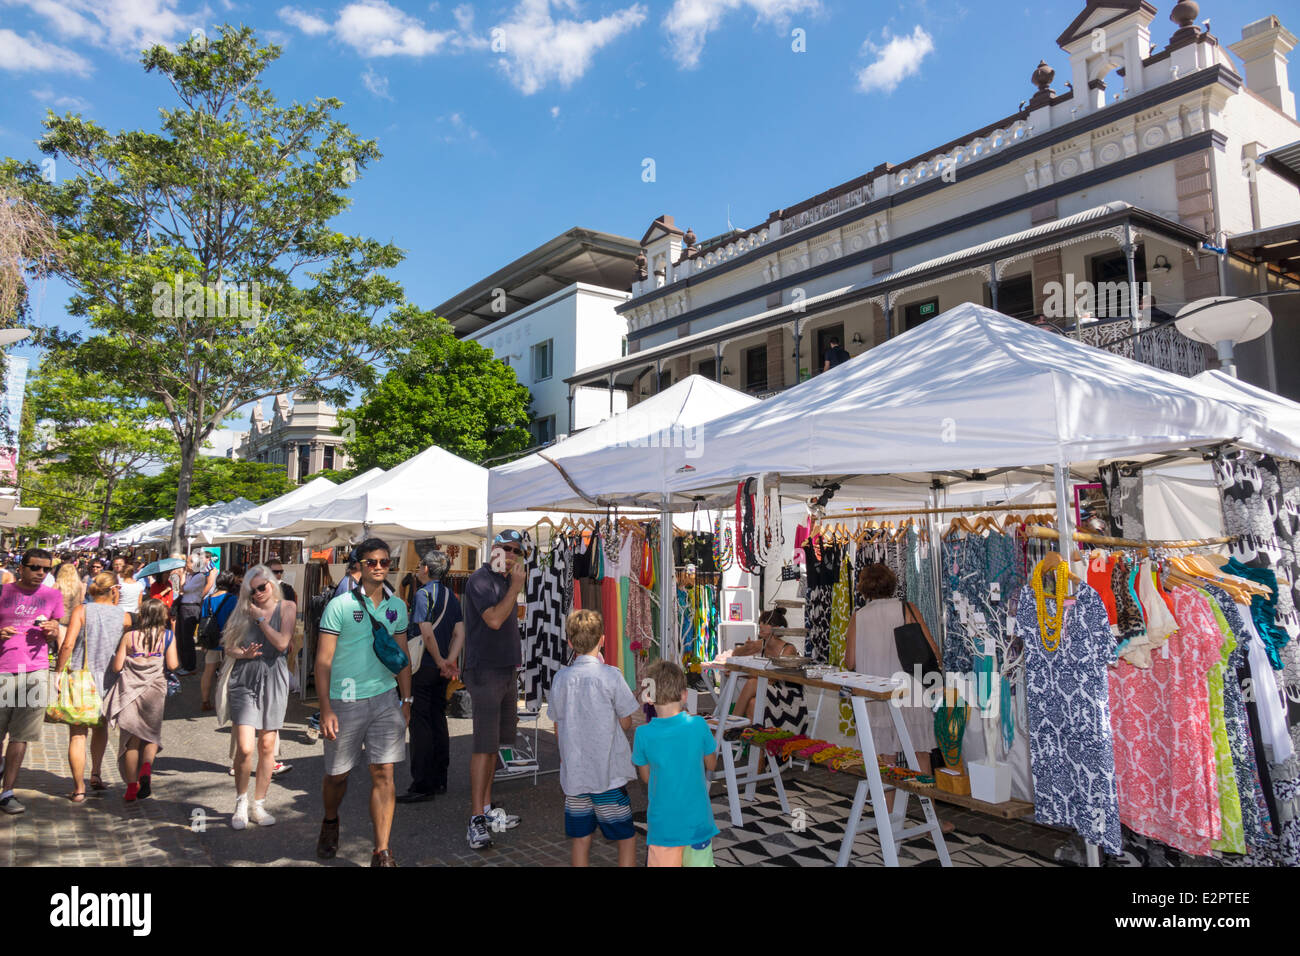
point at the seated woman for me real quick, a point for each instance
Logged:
(785, 707)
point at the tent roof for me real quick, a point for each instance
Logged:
(971, 389)
(294, 519)
(250, 522)
(623, 456)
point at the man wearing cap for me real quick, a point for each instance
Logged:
(492, 659)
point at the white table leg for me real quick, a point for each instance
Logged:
(927, 805)
(760, 710)
(851, 828)
(867, 744)
(725, 748)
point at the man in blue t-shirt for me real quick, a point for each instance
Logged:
(436, 618)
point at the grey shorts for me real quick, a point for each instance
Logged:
(494, 692)
(23, 699)
(212, 656)
(375, 722)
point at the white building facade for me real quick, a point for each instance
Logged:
(1125, 182)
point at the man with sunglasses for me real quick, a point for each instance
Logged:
(29, 620)
(277, 568)
(362, 705)
(492, 659)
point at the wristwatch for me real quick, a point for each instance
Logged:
(408, 700)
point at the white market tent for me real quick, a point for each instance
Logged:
(973, 390)
(252, 522)
(624, 457)
(434, 494)
(293, 520)
(213, 520)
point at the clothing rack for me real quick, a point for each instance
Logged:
(963, 509)
(1085, 537)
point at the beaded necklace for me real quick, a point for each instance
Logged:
(1049, 629)
(949, 729)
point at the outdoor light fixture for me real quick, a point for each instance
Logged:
(725, 370)
(857, 338)
(1223, 321)
(1161, 265)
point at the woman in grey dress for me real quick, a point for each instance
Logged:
(257, 637)
(94, 631)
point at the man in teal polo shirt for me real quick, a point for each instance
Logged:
(363, 705)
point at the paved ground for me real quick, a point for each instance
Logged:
(186, 821)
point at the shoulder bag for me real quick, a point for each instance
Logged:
(415, 645)
(913, 648)
(210, 628)
(391, 654)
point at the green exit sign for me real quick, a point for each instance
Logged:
(929, 308)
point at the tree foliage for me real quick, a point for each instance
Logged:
(445, 391)
(147, 497)
(94, 427)
(203, 254)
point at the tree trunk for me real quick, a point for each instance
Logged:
(189, 454)
(103, 514)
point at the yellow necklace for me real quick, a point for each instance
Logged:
(1049, 629)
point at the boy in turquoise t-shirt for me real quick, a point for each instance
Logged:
(674, 754)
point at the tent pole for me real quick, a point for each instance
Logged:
(487, 543)
(668, 629)
(1061, 473)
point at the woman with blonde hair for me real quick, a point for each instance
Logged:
(134, 704)
(94, 631)
(68, 581)
(256, 643)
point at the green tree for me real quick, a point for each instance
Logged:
(203, 255)
(97, 428)
(146, 497)
(445, 391)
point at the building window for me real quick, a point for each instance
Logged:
(1109, 276)
(624, 353)
(544, 430)
(328, 459)
(915, 314)
(756, 368)
(1015, 297)
(708, 368)
(665, 378)
(824, 337)
(304, 461)
(543, 356)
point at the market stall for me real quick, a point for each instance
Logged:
(974, 395)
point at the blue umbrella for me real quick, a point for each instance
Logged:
(161, 566)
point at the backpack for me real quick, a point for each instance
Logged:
(210, 627)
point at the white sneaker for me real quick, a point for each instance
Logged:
(239, 819)
(259, 815)
(498, 820)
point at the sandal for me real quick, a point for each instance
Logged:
(77, 797)
(97, 783)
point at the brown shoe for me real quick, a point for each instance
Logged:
(327, 844)
(382, 858)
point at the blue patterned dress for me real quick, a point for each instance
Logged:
(1068, 701)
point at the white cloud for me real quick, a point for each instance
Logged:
(20, 54)
(538, 50)
(898, 59)
(47, 95)
(689, 22)
(308, 23)
(125, 26)
(375, 83)
(460, 131)
(377, 28)
(555, 112)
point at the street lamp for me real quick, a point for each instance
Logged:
(12, 336)
(1223, 321)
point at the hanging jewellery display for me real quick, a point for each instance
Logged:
(1049, 629)
(950, 727)
(724, 549)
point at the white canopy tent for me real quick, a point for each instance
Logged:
(251, 523)
(292, 520)
(624, 457)
(207, 526)
(434, 494)
(972, 390)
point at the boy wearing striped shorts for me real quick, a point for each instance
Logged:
(593, 708)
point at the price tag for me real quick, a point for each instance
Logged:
(995, 592)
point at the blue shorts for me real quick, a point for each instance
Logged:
(611, 811)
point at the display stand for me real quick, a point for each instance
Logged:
(891, 828)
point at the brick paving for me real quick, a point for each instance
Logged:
(191, 783)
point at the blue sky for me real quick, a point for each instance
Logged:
(504, 124)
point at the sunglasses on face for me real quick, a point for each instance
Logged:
(262, 587)
(37, 567)
(277, 571)
(377, 562)
(510, 549)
